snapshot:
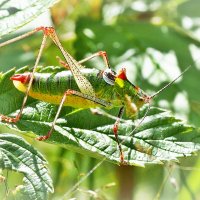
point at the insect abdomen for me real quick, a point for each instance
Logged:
(50, 87)
(53, 84)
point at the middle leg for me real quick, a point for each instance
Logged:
(75, 93)
(103, 54)
(115, 130)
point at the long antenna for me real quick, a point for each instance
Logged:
(166, 86)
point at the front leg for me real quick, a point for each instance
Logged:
(115, 131)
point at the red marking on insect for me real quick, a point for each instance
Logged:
(23, 78)
(122, 74)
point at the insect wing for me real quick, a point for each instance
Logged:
(82, 82)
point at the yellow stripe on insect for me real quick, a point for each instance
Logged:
(120, 82)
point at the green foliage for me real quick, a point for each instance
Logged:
(155, 43)
(17, 155)
(16, 15)
(161, 137)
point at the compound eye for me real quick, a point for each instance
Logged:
(109, 76)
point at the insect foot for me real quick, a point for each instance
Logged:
(9, 119)
(44, 137)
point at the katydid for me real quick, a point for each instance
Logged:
(79, 87)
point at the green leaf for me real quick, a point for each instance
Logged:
(17, 155)
(161, 136)
(189, 8)
(14, 15)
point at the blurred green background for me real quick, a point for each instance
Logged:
(155, 41)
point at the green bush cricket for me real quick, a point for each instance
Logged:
(80, 87)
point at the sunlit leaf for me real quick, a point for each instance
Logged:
(14, 14)
(17, 155)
